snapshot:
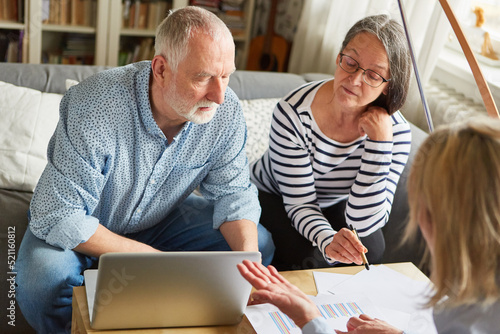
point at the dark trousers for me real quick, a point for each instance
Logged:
(294, 251)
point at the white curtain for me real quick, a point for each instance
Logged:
(324, 23)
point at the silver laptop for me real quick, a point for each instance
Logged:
(170, 289)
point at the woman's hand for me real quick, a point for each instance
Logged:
(376, 123)
(275, 289)
(368, 325)
(345, 247)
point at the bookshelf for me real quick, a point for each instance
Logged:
(104, 32)
(131, 34)
(68, 31)
(132, 38)
(13, 31)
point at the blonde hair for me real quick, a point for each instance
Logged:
(455, 182)
(174, 32)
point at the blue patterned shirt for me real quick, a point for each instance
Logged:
(109, 163)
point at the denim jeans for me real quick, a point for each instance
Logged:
(46, 275)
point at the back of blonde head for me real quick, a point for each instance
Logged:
(455, 181)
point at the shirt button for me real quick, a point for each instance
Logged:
(139, 210)
(153, 181)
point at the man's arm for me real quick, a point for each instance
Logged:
(241, 235)
(105, 241)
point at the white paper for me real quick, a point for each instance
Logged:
(336, 309)
(90, 277)
(391, 290)
(380, 293)
(324, 281)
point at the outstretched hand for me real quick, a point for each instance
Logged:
(273, 288)
(368, 325)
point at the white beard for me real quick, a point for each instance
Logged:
(200, 116)
(191, 113)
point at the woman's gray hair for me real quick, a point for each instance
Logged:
(174, 32)
(393, 37)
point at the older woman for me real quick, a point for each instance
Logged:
(337, 150)
(454, 193)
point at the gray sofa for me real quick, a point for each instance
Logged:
(249, 86)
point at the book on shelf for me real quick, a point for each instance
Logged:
(65, 12)
(12, 10)
(4, 44)
(69, 12)
(12, 45)
(144, 14)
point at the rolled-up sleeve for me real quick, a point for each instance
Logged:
(70, 186)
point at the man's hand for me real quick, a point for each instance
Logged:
(368, 325)
(376, 123)
(345, 247)
(275, 289)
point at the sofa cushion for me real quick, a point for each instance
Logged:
(258, 114)
(46, 77)
(13, 223)
(29, 118)
(249, 85)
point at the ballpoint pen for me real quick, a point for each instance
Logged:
(365, 260)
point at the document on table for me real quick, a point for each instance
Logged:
(336, 309)
(393, 293)
(380, 292)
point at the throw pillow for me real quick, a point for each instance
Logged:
(29, 118)
(258, 114)
(70, 83)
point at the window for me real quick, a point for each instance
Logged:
(453, 70)
(480, 20)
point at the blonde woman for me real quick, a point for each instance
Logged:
(454, 194)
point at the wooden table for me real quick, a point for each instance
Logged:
(301, 278)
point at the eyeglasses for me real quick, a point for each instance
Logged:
(371, 78)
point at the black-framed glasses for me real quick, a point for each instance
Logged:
(350, 65)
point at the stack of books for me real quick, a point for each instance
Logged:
(233, 15)
(229, 11)
(78, 49)
(211, 5)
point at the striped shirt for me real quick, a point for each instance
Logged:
(311, 171)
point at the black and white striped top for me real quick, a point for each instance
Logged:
(311, 171)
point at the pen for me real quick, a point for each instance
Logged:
(365, 260)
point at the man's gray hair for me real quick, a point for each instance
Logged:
(174, 32)
(393, 37)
